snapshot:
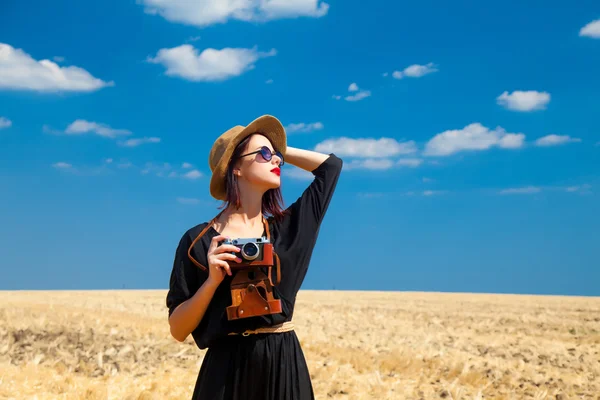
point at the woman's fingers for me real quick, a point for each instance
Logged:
(226, 248)
(227, 256)
(218, 254)
(224, 265)
(215, 241)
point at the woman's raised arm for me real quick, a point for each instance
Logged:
(308, 160)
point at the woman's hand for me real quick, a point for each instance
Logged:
(307, 160)
(217, 256)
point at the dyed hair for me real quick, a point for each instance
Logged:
(272, 201)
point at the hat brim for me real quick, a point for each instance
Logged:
(266, 125)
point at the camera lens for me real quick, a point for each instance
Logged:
(250, 251)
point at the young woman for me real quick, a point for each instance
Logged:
(257, 357)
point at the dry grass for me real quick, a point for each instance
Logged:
(359, 345)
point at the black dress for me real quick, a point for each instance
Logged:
(265, 366)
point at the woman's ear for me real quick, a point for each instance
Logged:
(236, 169)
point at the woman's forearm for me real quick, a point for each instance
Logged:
(306, 159)
(187, 315)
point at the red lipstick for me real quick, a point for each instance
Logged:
(276, 171)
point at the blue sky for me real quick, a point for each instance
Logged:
(470, 135)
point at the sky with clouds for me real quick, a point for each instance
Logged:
(469, 132)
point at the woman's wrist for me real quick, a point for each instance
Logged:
(211, 284)
(305, 159)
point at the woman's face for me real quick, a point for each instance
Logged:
(254, 169)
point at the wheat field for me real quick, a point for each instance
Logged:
(358, 345)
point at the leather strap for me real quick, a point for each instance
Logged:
(284, 327)
(278, 270)
(207, 227)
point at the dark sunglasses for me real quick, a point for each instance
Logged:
(266, 154)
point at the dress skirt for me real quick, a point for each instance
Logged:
(264, 366)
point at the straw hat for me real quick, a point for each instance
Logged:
(222, 149)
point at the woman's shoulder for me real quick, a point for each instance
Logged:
(193, 248)
(192, 233)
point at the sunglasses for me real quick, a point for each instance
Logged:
(266, 154)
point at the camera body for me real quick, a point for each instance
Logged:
(252, 288)
(253, 251)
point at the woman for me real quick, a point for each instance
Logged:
(257, 357)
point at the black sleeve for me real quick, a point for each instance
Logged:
(184, 281)
(299, 229)
(309, 209)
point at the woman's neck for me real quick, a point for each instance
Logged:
(240, 217)
(249, 214)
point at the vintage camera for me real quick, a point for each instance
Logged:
(252, 250)
(252, 288)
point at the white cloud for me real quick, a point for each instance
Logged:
(108, 160)
(426, 193)
(188, 200)
(359, 95)
(81, 126)
(472, 137)
(298, 173)
(512, 141)
(160, 170)
(5, 123)
(193, 174)
(583, 189)
(427, 180)
(591, 29)
(433, 192)
(409, 162)
(62, 165)
(269, 81)
(210, 65)
(363, 94)
(304, 127)
(529, 100)
(166, 170)
(48, 129)
(139, 141)
(366, 147)
(381, 163)
(369, 163)
(370, 195)
(522, 190)
(19, 71)
(415, 71)
(555, 140)
(207, 12)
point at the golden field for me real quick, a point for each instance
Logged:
(358, 345)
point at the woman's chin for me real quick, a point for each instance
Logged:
(273, 183)
(268, 184)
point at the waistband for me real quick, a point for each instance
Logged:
(284, 327)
